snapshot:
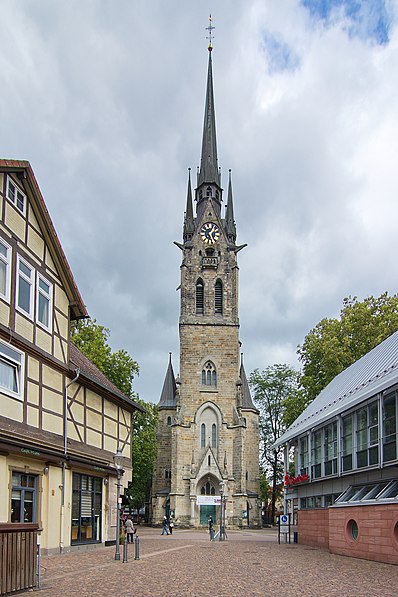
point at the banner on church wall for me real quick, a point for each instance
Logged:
(208, 500)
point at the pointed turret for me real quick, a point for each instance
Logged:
(189, 226)
(209, 172)
(247, 401)
(230, 227)
(168, 395)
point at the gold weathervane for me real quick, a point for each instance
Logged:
(210, 36)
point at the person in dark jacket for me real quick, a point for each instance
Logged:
(164, 526)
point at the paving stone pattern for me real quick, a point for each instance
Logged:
(188, 564)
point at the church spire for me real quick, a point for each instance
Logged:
(209, 172)
(189, 226)
(230, 227)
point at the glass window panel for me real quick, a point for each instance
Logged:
(24, 295)
(43, 310)
(16, 506)
(391, 491)
(20, 201)
(25, 269)
(8, 376)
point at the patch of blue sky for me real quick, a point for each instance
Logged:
(280, 56)
(367, 19)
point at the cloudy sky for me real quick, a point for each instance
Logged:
(105, 98)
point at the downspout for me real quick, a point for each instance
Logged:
(62, 487)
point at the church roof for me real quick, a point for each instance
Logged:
(209, 172)
(373, 373)
(247, 401)
(168, 395)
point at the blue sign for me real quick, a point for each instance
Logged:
(284, 519)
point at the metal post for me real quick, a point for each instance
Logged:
(38, 566)
(137, 548)
(125, 548)
(221, 511)
(117, 552)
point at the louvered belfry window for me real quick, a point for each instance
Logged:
(218, 298)
(199, 297)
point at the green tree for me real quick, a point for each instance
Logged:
(334, 344)
(144, 454)
(92, 339)
(272, 389)
(119, 367)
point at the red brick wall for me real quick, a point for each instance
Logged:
(377, 532)
(313, 528)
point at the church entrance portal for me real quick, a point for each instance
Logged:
(206, 512)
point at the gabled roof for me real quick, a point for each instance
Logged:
(374, 372)
(24, 172)
(93, 374)
(168, 395)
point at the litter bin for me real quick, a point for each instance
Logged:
(295, 537)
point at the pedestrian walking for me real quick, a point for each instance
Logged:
(171, 525)
(211, 529)
(164, 526)
(129, 529)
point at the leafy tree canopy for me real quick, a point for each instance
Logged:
(334, 344)
(92, 339)
(277, 396)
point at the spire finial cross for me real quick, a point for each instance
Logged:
(210, 36)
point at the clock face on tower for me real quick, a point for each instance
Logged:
(209, 233)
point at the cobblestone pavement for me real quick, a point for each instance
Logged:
(188, 564)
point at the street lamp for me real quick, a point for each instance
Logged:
(221, 510)
(117, 459)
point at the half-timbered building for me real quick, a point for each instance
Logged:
(61, 419)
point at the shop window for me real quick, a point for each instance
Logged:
(23, 497)
(86, 508)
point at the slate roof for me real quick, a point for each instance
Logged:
(168, 395)
(93, 374)
(247, 401)
(374, 372)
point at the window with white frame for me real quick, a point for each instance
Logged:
(25, 280)
(15, 195)
(5, 265)
(44, 302)
(11, 370)
(389, 427)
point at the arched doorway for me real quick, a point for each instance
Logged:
(207, 491)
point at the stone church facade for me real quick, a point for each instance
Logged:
(208, 426)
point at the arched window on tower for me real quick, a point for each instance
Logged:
(218, 298)
(203, 435)
(209, 374)
(214, 436)
(199, 297)
(208, 192)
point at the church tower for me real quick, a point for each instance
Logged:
(208, 426)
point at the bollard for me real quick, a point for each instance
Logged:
(137, 548)
(125, 549)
